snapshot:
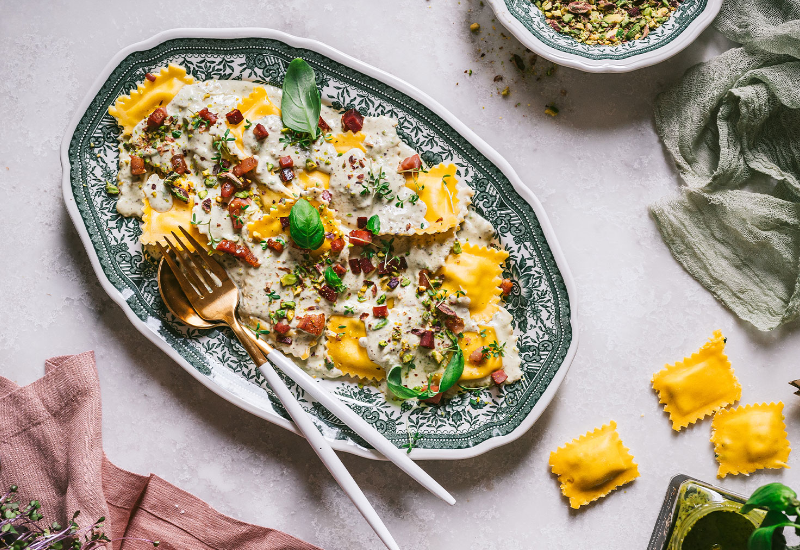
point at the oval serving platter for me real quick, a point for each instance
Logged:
(542, 302)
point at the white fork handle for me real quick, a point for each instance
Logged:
(358, 424)
(326, 454)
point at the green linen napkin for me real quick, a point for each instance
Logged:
(732, 125)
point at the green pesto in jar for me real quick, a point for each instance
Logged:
(719, 530)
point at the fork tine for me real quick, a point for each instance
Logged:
(185, 268)
(186, 286)
(198, 269)
(210, 263)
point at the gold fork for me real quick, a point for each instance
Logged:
(215, 298)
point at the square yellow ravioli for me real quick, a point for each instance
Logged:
(699, 385)
(593, 465)
(750, 438)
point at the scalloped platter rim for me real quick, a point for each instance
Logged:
(527, 23)
(543, 307)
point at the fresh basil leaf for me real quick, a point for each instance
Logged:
(453, 371)
(305, 225)
(333, 280)
(394, 382)
(774, 517)
(773, 496)
(374, 225)
(761, 539)
(300, 105)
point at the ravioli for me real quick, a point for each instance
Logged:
(699, 385)
(354, 306)
(130, 109)
(593, 465)
(346, 353)
(158, 225)
(254, 106)
(471, 341)
(750, 438)
(476, 271)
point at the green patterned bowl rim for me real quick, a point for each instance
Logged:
(526, 22)
(130, 282)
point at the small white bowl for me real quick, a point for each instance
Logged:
(527, 22)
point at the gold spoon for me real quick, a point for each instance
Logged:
(176, 301)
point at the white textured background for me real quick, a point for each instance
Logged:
(595, 167)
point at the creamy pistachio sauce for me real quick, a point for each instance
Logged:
(347, 177)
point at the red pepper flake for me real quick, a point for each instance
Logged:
(207, 115)
(235, 117)
(156, 118)
(260, 132)
(360, 237)
(150, 76)
(355, 265)
(284, 340)
(284, 222)
(206, 206)
(137, 165)
(179, 164)
(286, 162)
(499, 376)
(352, 120)
(239, 251)
(380, 312)
(326, 196)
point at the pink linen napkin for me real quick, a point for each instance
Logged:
(51, 447)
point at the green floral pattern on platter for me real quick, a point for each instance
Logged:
(534, 21)
(539, 304)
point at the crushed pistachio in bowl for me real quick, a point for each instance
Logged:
(607, 23)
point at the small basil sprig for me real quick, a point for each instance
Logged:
(780, 502)
(305, 225)
(333, 280)
(374, 225)
(300, 105)
(455, 367)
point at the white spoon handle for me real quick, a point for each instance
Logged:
(326, 454)
(360, 426)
